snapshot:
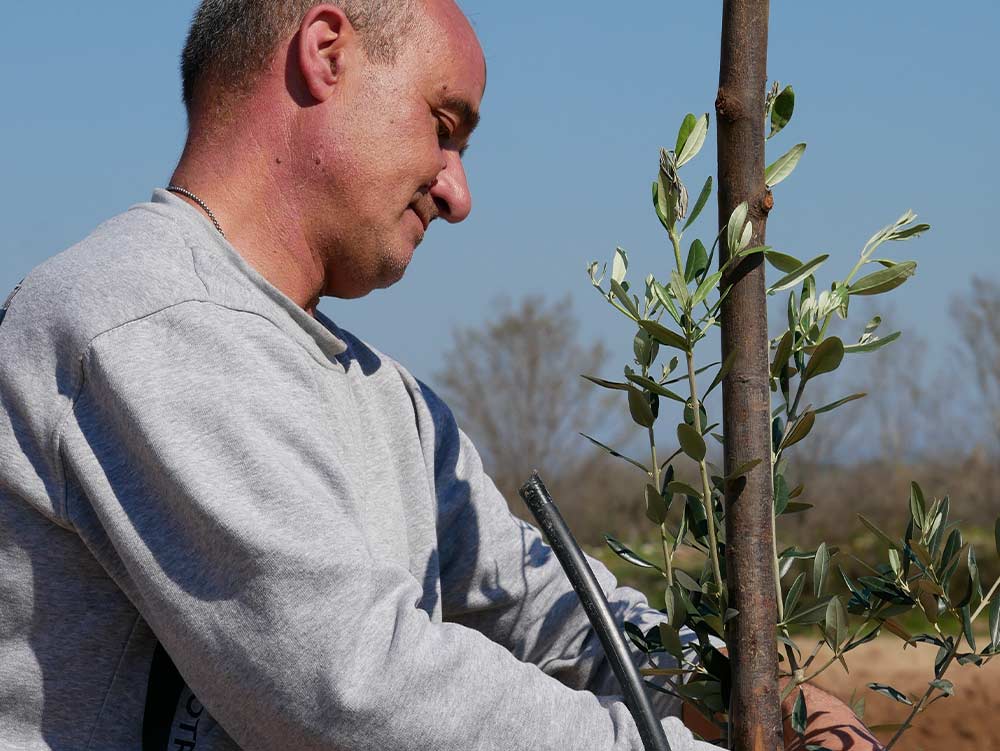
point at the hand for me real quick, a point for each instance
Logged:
(830, 723)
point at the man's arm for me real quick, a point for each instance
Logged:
(508, 583)
(206, 486)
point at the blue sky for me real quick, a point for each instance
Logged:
(895, 100)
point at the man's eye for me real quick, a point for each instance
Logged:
(443, 131)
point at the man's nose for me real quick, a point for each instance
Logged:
(451, 189)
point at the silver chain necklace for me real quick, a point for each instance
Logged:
(185, 192)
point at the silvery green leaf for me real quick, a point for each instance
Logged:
(645, 348)
(734, 229)
(743, 469)
(614, 385)
(687, 125)
(797, 507)
(671, 193)
(945, 687)
(995, 622)
(794, 592)
(676, 609)
(801, 273)
(659, 207)
(694, 142)
(858, 707)
(781, 494)
(697, 261)
(813, 614)
(679, 287)
(650, 298)
(783, 165)
(836, 620)
(781, 110)
(623, 552)
(619, 265)
(909, 232)
(619, 292)
(809, 288)
(977, 582)
(592, 271)
(918, 506)
(666, 202)
(886, 540)
(656, 507)
(703, 197)
(650, 385)
(683, 489)
(781, 354)
(800, 714)
(723, 372)
(772, 94)
(691, 442)
(823, 305)
(891, 692)
(782, 261)
(785, 567)
(615, 454)
(671, 640)
(873, 324)
(839, 402)
(705, 288)
(896, 231)
(873, 343)
(640, 409)
(799, 431)
(669, 368)
(884, 280)
(825, 358)
(664, 335)
(745, 237)
(820, 567)
(895, 562)
(967, 627)
(662, 295)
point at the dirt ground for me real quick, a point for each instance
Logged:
(968, 720)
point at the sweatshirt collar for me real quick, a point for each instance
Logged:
(320, 329)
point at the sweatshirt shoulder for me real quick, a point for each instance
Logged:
(131, 265)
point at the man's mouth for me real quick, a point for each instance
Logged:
(425, 210)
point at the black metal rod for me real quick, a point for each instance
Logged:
(595, 604)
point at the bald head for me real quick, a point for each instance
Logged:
(232, 41)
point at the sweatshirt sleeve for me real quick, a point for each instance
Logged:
(202, 478)
(501, 577)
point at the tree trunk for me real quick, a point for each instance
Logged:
(755, 711)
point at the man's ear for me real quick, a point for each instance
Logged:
(325, 40)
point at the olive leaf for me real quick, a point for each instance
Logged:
(703, 197)
(800, 714)
(783, 165)
(782, 108)
(691, 442)
(891, 692)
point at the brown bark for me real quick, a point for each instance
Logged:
(755, 712)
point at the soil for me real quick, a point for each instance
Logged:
(968, 720)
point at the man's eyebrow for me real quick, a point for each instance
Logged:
(468, 114)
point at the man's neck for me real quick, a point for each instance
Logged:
(250, 201)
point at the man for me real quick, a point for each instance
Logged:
(225, 523)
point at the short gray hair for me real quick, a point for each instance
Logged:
(231, 41)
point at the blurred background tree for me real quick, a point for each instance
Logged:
(514, 384)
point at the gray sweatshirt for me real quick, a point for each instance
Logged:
(226, 524)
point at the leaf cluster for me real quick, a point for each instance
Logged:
(928, 568)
